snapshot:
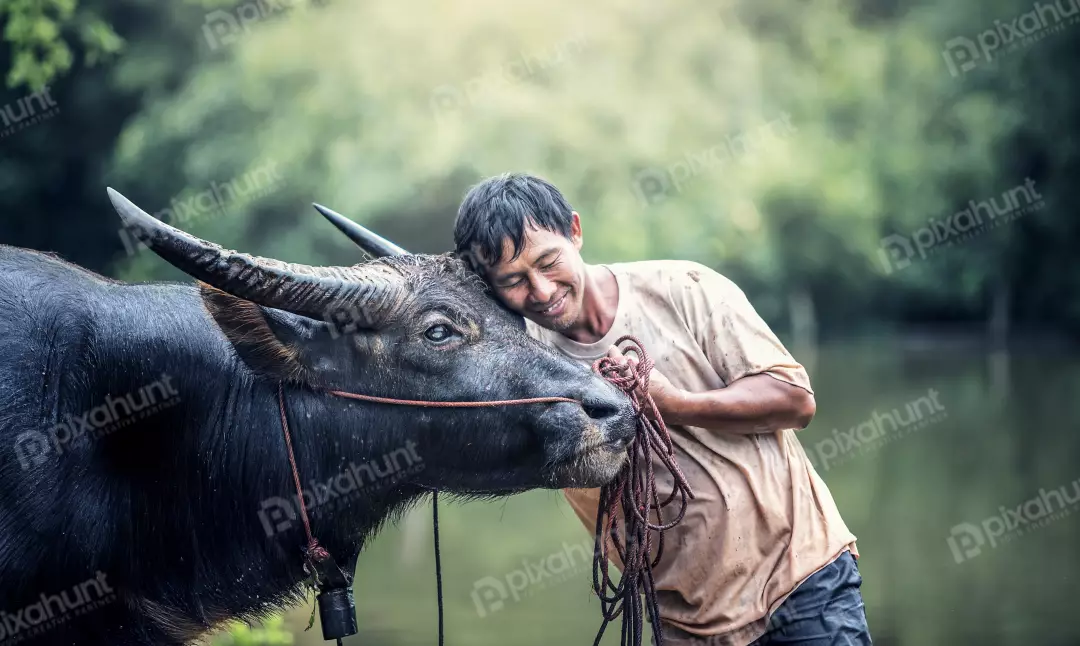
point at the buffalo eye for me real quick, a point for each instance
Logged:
(440, 333)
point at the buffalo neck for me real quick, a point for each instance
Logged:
(201, 450)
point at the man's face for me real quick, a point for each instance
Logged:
(545, 283)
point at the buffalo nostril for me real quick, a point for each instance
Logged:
(600, 410)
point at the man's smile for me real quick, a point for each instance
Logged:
(557, 307)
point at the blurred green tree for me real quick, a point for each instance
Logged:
(781, 144)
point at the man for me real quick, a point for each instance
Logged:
(762, 555)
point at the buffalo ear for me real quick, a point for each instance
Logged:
(284, 346)
(248, 328)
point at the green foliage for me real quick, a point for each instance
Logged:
(271, 633)
(778, 143)
(40, 32)
(859, 129)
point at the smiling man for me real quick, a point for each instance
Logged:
(762, 555)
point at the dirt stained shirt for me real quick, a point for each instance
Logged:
(762, 520)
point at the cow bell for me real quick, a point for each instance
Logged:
(337, 609)
(337, 613)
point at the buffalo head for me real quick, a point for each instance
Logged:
(408, 327)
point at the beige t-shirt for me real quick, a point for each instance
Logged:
(762, 520)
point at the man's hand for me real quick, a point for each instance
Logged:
(664, 394)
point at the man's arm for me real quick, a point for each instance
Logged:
(753, 404)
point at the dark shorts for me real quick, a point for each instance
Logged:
(826, 610)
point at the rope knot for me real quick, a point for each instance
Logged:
(316, 552)
(630, 376)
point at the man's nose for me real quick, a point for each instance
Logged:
(542, 289)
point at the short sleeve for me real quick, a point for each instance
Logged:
(734, 338)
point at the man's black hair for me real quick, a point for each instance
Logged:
(502, 207)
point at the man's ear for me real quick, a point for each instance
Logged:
(575, 230)
(275, 343)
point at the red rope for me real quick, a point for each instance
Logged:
(427, 404)
(316, 551)
(634, 493)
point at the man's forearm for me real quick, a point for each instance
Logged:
(754, 404)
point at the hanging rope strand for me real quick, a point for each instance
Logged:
(627, 503)
(438, 560)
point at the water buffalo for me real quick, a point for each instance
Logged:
(146, 494)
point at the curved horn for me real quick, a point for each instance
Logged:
(370, 242)
(316, 292)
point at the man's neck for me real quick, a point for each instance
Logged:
(599, 305)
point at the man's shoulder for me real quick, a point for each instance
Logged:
(671, 269)
(671, 278)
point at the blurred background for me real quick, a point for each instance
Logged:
(894, 185)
